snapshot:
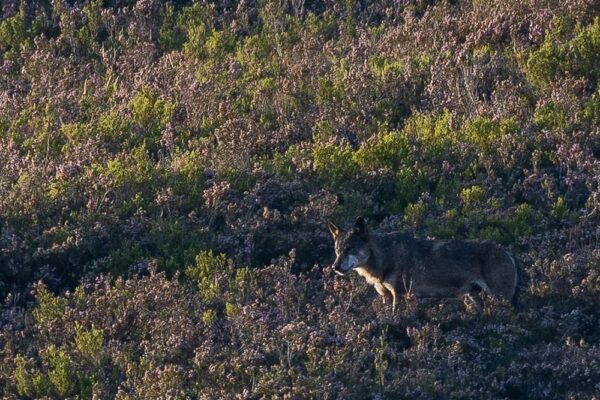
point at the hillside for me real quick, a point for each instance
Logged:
(167, 171)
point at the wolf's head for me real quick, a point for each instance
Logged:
(352, 248)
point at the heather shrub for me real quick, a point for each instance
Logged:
(271, 332)
(167, 170)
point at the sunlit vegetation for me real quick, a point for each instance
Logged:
(167, 169)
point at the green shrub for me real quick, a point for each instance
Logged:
(388, 151)
(20, 29)
(560, 211)
(240, 180)
(332, 87)
(333, 164)
(414, 215)
(115, 130)
(472, 197)
(185, 174)
(187, 27)
(567, 49)
(447, 188)
(551, 116)
(49, 307)
(430, 129)
(329, 91)
(171, 35)
(410, 183)
(34, 131)
(130, 177)
(209, 316)
(29, 381)
(22, 377)
(152, 114)
(523, 221)
(241, 284)
(202, 40)
(252, 53)
(591, 110)
(434, 134)
(284, 164)
(176, 244)
(77, 133)
(486, 133)
(232, 309)
(381, 67)
(206, 271)
(121, 258)
(60, 371)
(89, 342)
(380, 361)
(323, 25)
(451, 225)
(13, 31)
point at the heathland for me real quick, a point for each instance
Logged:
(167, 170)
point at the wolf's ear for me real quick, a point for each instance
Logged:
(335, 231)
(360, 227)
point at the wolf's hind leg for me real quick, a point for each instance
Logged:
(475, 300)
(471, 294)
(482, 286)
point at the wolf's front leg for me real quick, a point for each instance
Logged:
(384, 292)
(392, 291)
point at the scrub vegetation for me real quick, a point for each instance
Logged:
(167, 170)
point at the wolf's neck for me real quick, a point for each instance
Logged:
(388, 254)
(374, 267)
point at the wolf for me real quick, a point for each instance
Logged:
(399, 264)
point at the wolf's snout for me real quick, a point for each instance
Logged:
(344, 264)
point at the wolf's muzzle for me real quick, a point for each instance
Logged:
(345, 265)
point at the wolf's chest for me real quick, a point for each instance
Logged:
(369, 276)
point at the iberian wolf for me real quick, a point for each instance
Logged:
(399, 264)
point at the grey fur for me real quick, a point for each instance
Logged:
(398, 264)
